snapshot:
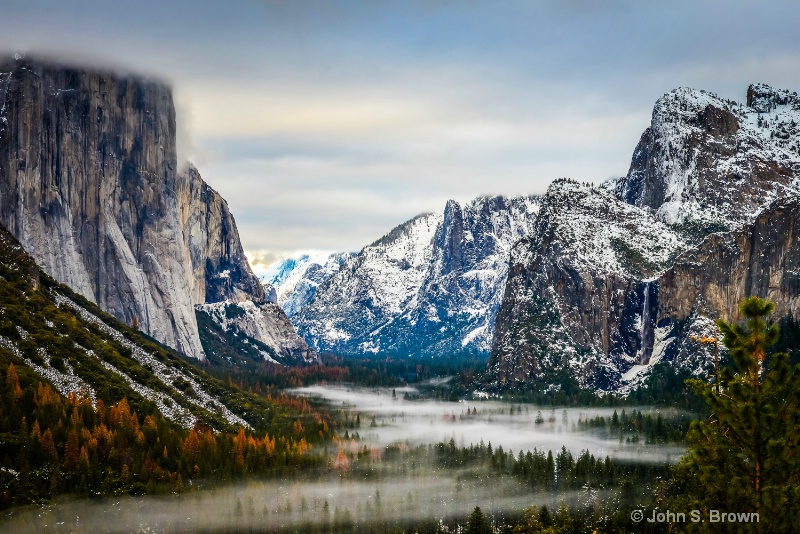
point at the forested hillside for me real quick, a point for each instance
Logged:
(90, 406)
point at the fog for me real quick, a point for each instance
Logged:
(400, 487)
(398, 419)
(276, 505)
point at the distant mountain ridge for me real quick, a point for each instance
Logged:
(90, 185)
(295, 279)
(619, 277)
(429, 288)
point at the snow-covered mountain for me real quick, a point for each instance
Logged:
(618, 277)
(295, 279)
(715, 163)
(430, 287)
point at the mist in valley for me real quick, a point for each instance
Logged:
(274, 505)
(390, 416)
(389, 467)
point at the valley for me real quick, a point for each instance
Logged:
(528, 363)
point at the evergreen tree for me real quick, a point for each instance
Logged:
(744, 459)
(477, 523)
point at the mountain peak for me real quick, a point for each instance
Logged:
(763, 98)
(713, 163)
(430, 287)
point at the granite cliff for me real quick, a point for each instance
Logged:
(617, 278)
(90, 185)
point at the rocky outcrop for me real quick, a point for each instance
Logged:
(761, 259)
(431, 287)
(89, 184)
(713, 164)
(575, 300)
(617, 278)
(221, 271)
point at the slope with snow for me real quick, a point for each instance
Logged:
(431, 287)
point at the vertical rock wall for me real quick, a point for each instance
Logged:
(89, 184)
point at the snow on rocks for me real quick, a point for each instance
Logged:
(296, 278)
(430, 287)
(168, 375)
(166, 405)
(65, 383)
(713, 161)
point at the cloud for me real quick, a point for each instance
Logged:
(290, 110)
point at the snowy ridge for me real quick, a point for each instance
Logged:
(166, 374)
(596, 231)
(430, 287)
(295, 279)
(756, 156)
(616, 279)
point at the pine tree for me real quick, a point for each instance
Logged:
(477, 523)
(744, 459)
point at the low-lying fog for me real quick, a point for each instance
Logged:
(274, 505)
(426, 421)
(344, 498)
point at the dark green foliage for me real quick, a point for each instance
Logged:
(631, 259)
(744, 459)
(477, 523)
(640, 427)
(666, 386)
(789, 339)
(695, 230)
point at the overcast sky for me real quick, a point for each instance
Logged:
(325, 124)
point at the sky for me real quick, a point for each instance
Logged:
(326, 123)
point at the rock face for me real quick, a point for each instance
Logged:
(574, 299)
(264, 322)
(712, 162)
(221, 271)
(89, 184)
(431, 287)
(762, 259)
(616, 278)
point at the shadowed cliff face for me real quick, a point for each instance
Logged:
(221, 271)
(89, 184)
(761, 259)
(575, 301)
